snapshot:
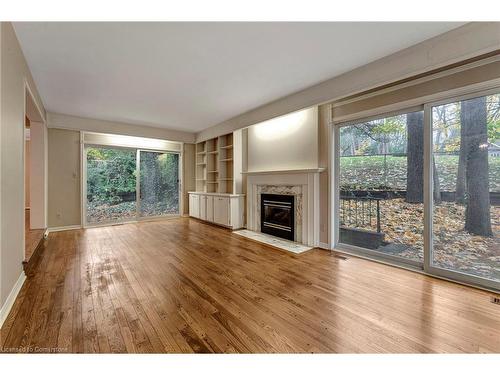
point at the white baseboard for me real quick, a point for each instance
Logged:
(323, 245)
(68, 227)
(9, 302)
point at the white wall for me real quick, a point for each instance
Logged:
(286, 142)
(37, 171)
(62, 121)
(14, 76)
(64, 206)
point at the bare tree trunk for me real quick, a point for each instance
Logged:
(477, 212)
(461, 186)
(415, 158)
(436, 188)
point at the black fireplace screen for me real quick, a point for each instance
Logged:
(278, 215)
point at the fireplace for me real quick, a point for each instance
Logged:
(278, 215)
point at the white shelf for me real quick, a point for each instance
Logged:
(209, 168)
(287, 171)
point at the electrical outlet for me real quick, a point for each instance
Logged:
(495, 299)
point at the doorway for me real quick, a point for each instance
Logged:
(125, 184)
(421, 188)
(35, 181)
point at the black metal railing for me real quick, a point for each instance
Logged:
(360, 212)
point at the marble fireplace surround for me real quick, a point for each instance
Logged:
(303, 184)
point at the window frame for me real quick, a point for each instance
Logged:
(137, 217)
(428, 196)
(426, 104)
(356, 250)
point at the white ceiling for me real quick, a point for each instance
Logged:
(190, 76)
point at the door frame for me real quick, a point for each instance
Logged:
(335, 196)
(38, 113)
(425, 267)
(137, 217)
(429, 201)
(138, 186)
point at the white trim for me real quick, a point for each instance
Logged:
(128, 141)
(83, 181)
(415, 102)
(286, 171)
(70, 122)
(428, 187)
(323, 245)
(11, 298)
(417, 81)
(60, 229)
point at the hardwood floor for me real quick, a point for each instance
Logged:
(184, 286)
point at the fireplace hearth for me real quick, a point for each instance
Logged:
(278, 215)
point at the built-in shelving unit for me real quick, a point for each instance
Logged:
(219, 197)
(201, 167)
(215, 165)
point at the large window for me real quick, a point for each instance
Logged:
(423, 187)
(381, 185)
(466, 215)
(159, 183)
(116, 175)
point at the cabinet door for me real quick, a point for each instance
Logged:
(210, 208)
(194, 205)
(203, 207)
(221, 210)
(191, 204)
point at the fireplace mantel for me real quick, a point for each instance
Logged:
(286, 171)
(303, 184)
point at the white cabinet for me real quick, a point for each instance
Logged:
(203, 207)
(219, 208)
(210, 208)
(221, 211)
(194, 205)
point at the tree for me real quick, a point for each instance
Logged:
(477, 212)
(415, 161)
(435, 183)
(415, 157)
(461, 186)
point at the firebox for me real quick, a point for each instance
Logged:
(277, 215)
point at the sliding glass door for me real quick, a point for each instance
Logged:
(466, 207)
(126, 184)
(111, 185)
(159, 183)
(422, 187)
(381, 186)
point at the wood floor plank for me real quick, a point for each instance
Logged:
(182, 286)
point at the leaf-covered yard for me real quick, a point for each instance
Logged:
(388, 172)
(402, 223)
